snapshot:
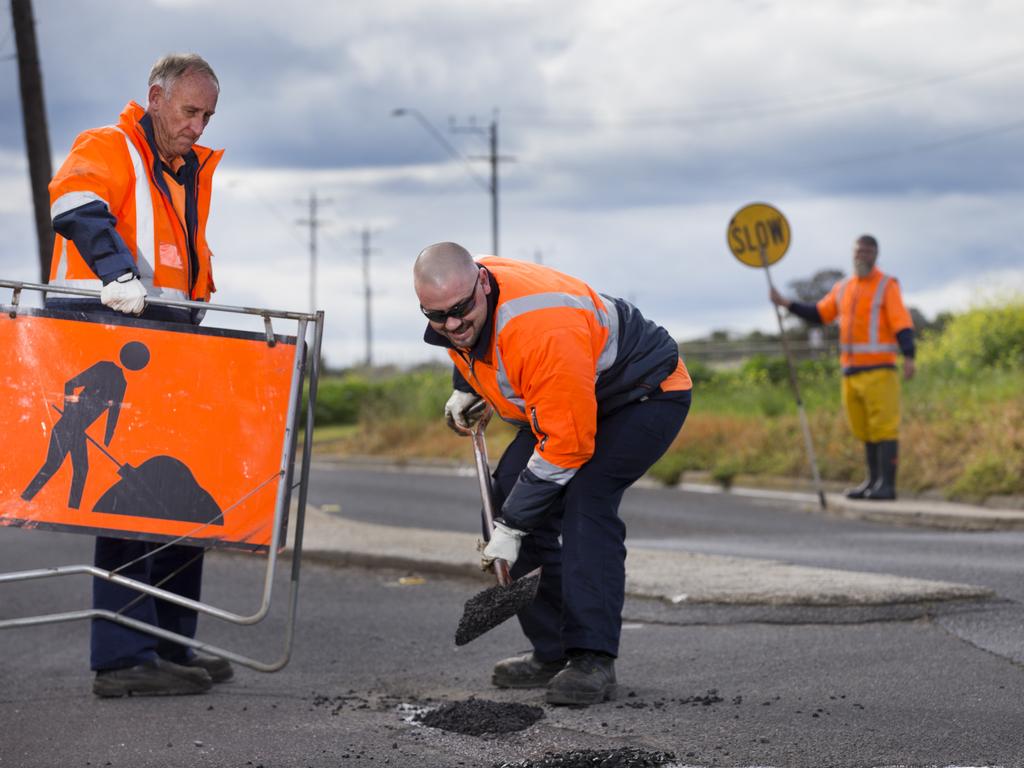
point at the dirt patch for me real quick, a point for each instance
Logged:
(708, 699)
(475, 717)
(625, 757)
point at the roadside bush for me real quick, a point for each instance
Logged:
(765, 370)
(984, 337)
(339, 400)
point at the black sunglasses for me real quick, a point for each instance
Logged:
(460, 309)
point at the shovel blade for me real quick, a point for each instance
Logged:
(486, 610)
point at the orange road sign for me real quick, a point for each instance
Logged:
(755, 227)
(143, 430)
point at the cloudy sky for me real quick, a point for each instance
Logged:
(634, 128)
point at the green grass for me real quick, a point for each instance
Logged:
(962, 433)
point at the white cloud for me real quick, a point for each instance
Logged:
(638, 128)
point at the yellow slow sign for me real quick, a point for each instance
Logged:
(755, 228)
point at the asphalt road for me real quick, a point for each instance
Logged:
(370, 649)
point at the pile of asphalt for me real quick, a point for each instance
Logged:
(476, 717)
(624, 757)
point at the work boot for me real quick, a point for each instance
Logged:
(525, 671)
(219, 670)
(589, 678)
(888, 457)
(871, 456)
(151, 678)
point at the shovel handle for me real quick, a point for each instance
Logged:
(483, 474)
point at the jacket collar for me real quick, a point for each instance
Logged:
(134, 120)
(481, 349)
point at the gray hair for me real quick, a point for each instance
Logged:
(174, 65)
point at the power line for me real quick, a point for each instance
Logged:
(963, 138)
(776, 106)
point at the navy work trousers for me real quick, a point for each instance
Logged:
(581, 542)
(177, 568)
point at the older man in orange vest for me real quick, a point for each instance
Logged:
(129, 207)
(873, 326)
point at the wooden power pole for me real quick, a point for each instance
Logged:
(37, 141)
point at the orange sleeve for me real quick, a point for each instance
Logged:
(897, 314)
(828, 307)
(87, 169)
(557, 382)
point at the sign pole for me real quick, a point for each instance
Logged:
(794, 384)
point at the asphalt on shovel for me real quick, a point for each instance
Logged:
(486, 610)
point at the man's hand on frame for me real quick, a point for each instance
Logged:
(126, 294)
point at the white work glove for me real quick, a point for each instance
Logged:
(126, 294)
(456, 411)
(504, 545)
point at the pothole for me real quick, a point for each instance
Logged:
(476, 717)
(624, 757)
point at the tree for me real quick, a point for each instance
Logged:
(811, 290)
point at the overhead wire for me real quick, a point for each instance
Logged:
(757, 110)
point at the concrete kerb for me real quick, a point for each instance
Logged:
(924, 513)
(674, 578)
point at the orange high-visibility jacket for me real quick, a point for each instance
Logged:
(115, 165)
(871, 313)
(559, 355)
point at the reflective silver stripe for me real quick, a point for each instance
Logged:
(515, 307)
(869, 348)
(145, 231)
(611, 344)
(505, 386)
(93, 283)
(545, 470)
(876, 310)
(71, 200)
(62, 260)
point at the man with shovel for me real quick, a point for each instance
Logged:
(598, 393)
(129, 206)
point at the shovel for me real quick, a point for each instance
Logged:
(486, 610)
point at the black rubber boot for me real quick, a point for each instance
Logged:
(588, 678)
(525, 671)
(888, 458)
(871, 457)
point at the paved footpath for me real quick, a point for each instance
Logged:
(680, 577)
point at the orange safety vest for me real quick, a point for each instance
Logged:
(552, 337)
(107, 164)
(871, 313)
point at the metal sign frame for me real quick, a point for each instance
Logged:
(305, 372)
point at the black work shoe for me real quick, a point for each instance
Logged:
(151, 678)
(589, 678)
(219, 670)
(525, 672)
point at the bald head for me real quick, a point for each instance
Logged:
(452, 289)
(442, 266)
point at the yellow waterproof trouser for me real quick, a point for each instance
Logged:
(872, 402)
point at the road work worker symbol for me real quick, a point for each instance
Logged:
(758, 233)
(143, 430)
(97, 390)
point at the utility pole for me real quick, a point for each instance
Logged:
(313, 222)
(37, 142)
(367, 294)
(493, 158)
